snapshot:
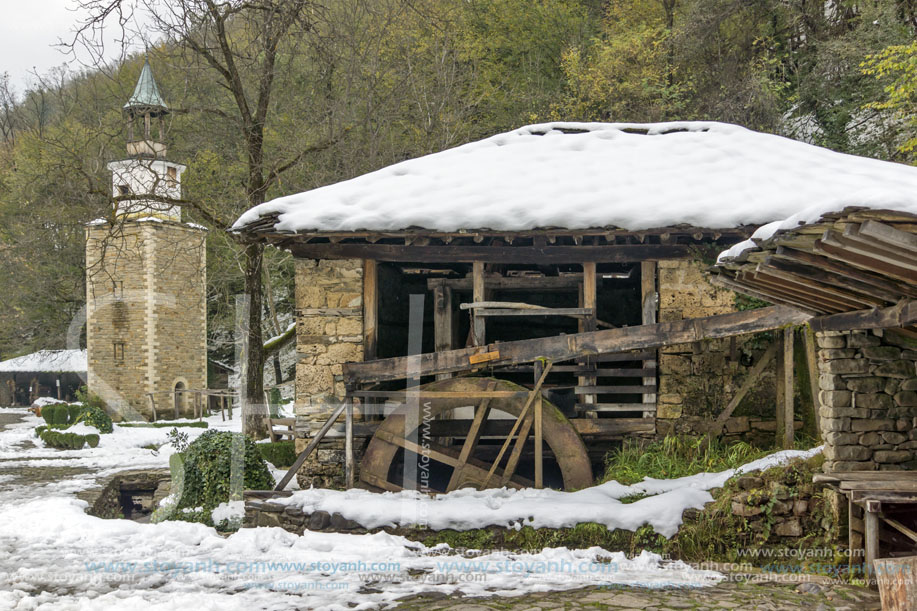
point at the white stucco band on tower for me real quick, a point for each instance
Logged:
(152, 177)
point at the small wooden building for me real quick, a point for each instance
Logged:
(46, 373)
(519, 280)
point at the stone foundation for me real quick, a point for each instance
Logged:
(868, 393)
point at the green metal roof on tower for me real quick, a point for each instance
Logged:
(146, 96)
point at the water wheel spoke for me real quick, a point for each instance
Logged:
(516, 454)
(448, 456)
(471, 441)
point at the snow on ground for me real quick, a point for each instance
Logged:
(594, 175)
(55, 556)
(470, 508)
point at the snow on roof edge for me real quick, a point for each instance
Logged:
(705, 175)
(51, 361)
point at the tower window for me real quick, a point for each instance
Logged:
(119, 352)
(173, 173)
(117, 287)
(124, 190)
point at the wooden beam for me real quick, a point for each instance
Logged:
(750, 380)
(812, 367)
(883, 283)
(589, 297)
(348, 443)
(539, 442)
(887, 233)
(308, 450)
(471, 441)
(512, 283)
(443, 331)
(839, 250)
(836, 281)
(479, 295)
(901, 315)
(370, 309)
(628, 253)
(649, 305)
(567, 347)
(785, 364)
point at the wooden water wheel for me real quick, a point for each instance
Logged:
(408, 430)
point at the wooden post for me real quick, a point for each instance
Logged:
(477, 322)
(589, 324)
(648, 304)
(785, 424)
(812, 366)
(175, 400)
(539, 445)
(370, 309)
(872, 535)
(348, 442)
(442, 321)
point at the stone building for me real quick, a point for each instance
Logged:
(558, 241)
(146, 277)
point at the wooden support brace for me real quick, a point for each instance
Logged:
(312, 445)
(348, 443)
(750, 381)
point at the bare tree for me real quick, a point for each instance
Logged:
(240, 43)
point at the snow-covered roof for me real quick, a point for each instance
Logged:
(47, 361)
(598, 175)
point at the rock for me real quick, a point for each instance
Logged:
(800, 507)
(909, 384)
(319, 520)
(746, 511)
(853, 452)
(809, 588)
(748, 482)
(859, 340)
(894, 438)
(867, 385)
(843, 439)
(882, 353)
(843, 412)
(826, 381)
(844, 465)
(846, 366)
(873, 401)
(906, 398)
(837, 425)
(829, 354)
(835, 398)
(838, 341)
(781, 508)
(893, 369)
(872, 425)
(790, 528)
(891, 456)
(871, 439)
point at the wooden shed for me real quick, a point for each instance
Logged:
(46, 373)
(512, 308)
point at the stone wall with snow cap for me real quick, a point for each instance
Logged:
(868, 383)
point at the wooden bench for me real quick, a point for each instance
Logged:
(879, 503)
(279, 434)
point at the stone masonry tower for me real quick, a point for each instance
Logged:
(146, 326)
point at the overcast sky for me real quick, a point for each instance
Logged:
(29, 31)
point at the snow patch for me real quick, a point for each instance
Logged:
(47, 360)
(469, 508)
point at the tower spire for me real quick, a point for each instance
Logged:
(146, 104)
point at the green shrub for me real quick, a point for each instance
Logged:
(40, 429)
(73, 412)
(208, 464)
(96, 416)
(278, 453)
(56, 415)
(68, 441)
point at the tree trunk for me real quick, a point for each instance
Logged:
(254, 411)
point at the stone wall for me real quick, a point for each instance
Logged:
(868, 392)
(146, 314)
(329, 332)
(696, 381)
